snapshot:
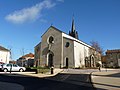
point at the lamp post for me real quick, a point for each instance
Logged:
(10, 68)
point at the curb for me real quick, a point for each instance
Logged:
(44, 75)
(90, 78)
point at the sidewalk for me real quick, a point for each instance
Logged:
(40, 75)
(109, 80)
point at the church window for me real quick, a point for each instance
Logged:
(67, 44)
(51, 39)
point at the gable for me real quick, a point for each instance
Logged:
(51, 29)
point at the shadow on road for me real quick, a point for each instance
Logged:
(63, 82)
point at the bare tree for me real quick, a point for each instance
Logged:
(97, 47)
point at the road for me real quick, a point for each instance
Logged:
(68, 80)
(75, 76)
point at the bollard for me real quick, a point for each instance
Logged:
(52, 70)
(36, 71)
(99, 69)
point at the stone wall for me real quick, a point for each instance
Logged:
(68, 52)
(54, 48)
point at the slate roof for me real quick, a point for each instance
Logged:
(3, 49)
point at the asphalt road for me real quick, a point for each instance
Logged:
(74, 76)
(33, 83)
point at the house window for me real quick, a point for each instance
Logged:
(67, 44)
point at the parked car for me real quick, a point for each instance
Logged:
(12, 67)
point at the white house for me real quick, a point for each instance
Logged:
(65, 50)
(4, 55)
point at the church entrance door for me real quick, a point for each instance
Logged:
(50, 60)
(92, 62)
(66, 62)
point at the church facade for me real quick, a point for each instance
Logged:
(63, 50)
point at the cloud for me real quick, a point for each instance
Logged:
(31, 13)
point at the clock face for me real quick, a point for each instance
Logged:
(67, 44)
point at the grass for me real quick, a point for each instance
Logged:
(39, 69)
(43, 70)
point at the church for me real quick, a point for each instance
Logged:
(63, 50)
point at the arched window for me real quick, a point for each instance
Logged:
(51, 40)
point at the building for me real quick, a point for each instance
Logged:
(12, 61)
(113, 58)
(26, 60)
(104, 61)
(4, 55)
(59, 49)
(37, 54)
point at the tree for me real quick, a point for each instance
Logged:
(97, 47)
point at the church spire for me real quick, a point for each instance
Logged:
(73, 25)
(73, 32)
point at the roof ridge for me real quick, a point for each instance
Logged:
(4, 49)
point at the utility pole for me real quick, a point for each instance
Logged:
(10, 54)
(11, 60)
(23, 55)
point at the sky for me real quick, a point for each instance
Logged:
(22, 22)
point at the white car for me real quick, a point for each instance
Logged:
(12, 67)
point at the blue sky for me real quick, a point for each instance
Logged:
(22, 22)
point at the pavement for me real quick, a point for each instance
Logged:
(40, 75)
(106, 79)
